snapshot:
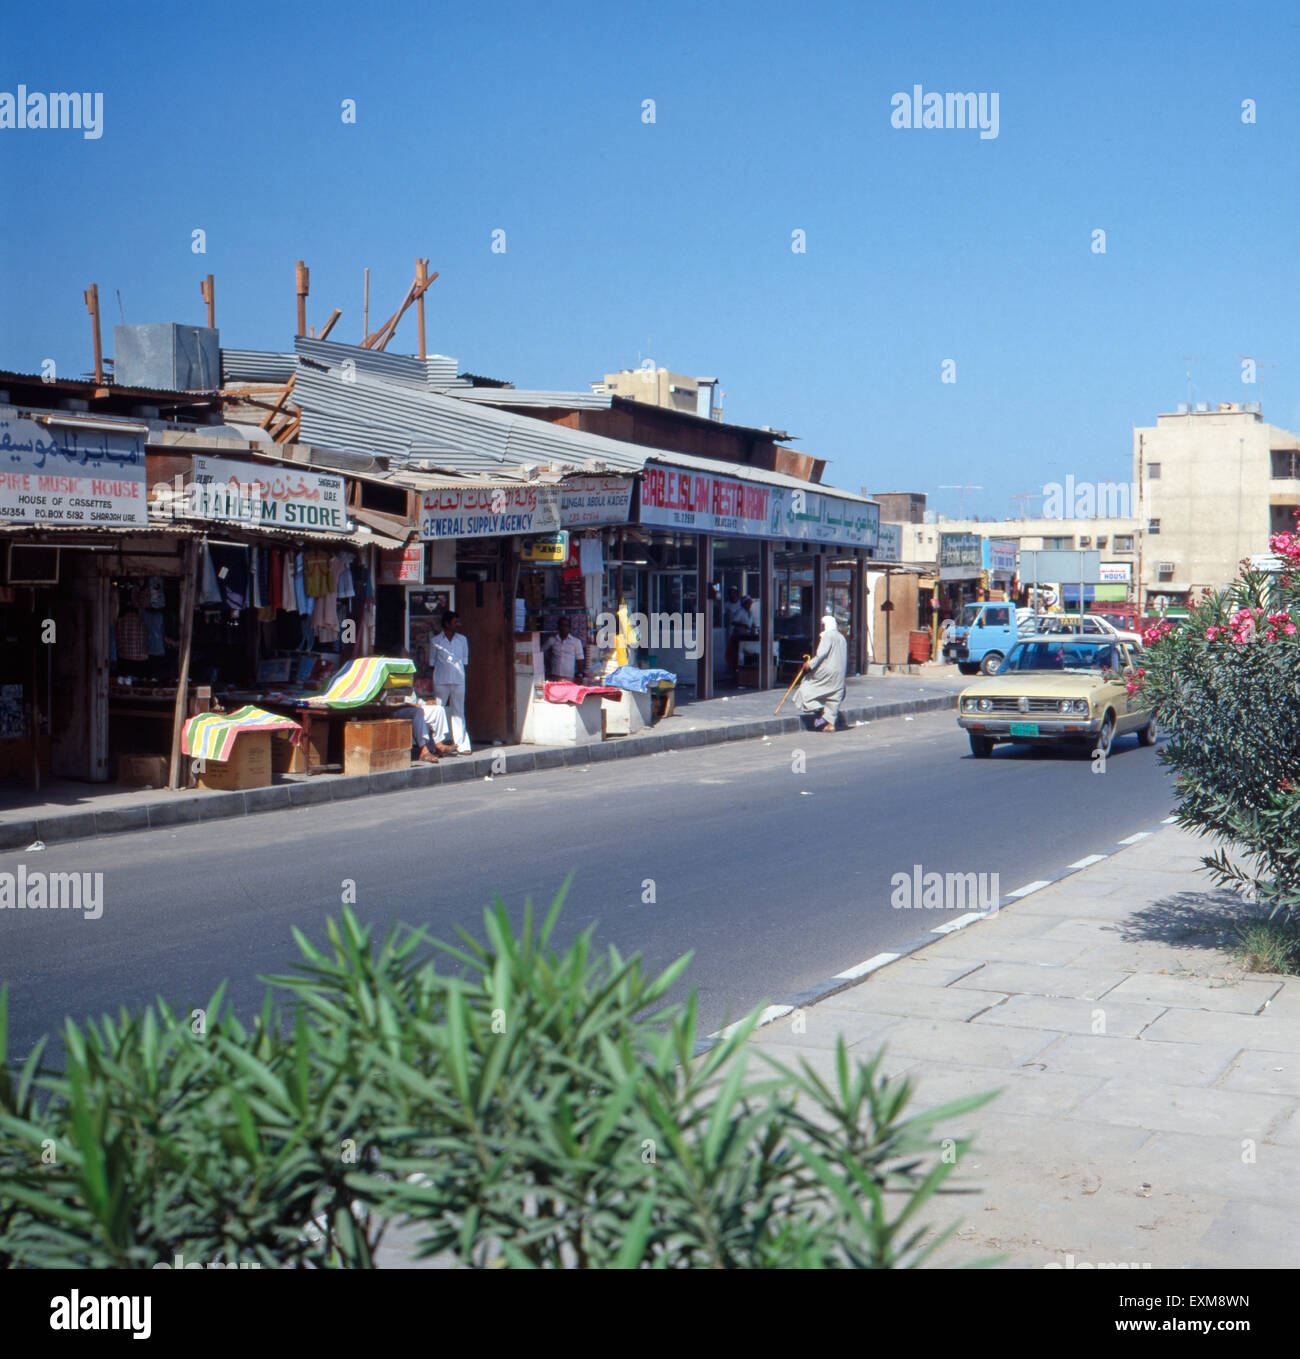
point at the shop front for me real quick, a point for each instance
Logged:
(791, 550)
(961, 571)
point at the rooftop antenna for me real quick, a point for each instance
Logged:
(961, 503)
(1021, 498)
(1190, 359)
(123, 313)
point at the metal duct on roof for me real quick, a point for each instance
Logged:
(256, 365)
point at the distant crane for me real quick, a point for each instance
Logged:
(961, 503)
(1021, 498)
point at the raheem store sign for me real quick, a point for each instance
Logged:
(265, 496)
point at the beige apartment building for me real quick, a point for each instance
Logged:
(659, 387)
(1215, 482)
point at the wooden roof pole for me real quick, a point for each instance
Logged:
(92, 306)
(365, 311)
(302, 276)
(422, 282)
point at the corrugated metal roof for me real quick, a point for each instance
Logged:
(455, 436)
(256, 365)
(512, 396)
(404, 370)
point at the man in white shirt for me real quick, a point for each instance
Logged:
(565, 655)
(449, 655)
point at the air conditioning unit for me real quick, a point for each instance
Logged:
(1085, 541)
(1165, 568)
(32, 564)
(1184, 408)
(1203, 407)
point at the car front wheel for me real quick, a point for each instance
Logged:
(991, 662)
(1106, 736)
(980, 746)
(1149, 734)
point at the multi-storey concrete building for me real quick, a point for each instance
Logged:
(1215, 481)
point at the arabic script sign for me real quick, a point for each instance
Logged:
(595, 500)
(821, 518)
(489, 511)
(273, 497)
(63, 475)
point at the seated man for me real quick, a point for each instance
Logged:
(430, 729)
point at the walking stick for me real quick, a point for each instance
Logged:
(790, 690)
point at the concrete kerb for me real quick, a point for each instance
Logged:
(863, 972)
(85, 824)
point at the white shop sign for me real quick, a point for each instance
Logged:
(595, 500)
(489, 511)
(274, 497)
(819, 518)
(60, 474)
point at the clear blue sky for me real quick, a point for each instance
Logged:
(672, 239)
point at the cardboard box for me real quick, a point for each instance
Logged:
(289, 757)
(373, 747)
(249, 765)
(145, 771)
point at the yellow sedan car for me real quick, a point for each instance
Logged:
(1052, 690)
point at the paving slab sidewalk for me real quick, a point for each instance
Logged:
(67, 810)
(1150, 1105)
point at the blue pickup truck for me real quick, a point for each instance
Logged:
(982, 637)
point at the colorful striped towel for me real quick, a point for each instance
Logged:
(211, 736)
(361, 681)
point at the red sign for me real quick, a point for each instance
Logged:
(676, 498)
(404, 566)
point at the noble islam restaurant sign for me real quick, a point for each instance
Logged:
(707, 503)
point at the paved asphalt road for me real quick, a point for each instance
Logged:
(776, 879)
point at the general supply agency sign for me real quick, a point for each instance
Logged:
(489, 511)
(260, 495)
(61, 474)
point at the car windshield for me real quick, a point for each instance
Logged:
(1072, 655)
(969, 615)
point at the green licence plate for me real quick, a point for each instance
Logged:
(1024, 729)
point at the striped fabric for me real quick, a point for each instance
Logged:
(361, 681)
(211, 736)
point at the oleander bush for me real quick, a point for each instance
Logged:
(510, 1104)
(1226, 690)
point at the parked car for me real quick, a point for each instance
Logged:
(1057, 689)
(1090, 625)
(981, 637)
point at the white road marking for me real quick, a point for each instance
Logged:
(960, 923)
(870, 965)
(771, 1013)
(1088, 862)
(1133, 839)
(1027, 888)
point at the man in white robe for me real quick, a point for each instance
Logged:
(822, 690)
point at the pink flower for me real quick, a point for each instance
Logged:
(1289, 629)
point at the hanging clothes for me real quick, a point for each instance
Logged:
(343, 584)
(209, 585)
(317, 567)
(289, 595)
(299, 584)
(232, 572)
(275, 581)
